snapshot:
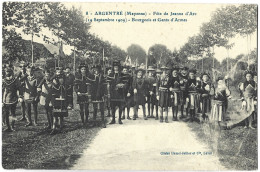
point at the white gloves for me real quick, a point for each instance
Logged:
(255, 102)
(157, 97)
(39, 89)
(135, 91)
(151, 93)
(20, 100)
(128, 95)
(207, 88)
(171, 89)
(187, 100)
(171, 96)
(243, 104)
(181, 82)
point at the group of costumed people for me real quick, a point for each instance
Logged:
(165, 89)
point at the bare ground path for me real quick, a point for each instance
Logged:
(142, 145)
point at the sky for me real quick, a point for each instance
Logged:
(172, 34)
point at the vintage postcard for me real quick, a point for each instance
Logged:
(129, 86)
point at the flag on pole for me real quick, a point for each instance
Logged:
(128, 60)
(61, 53)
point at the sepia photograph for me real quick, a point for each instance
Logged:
(129, 86)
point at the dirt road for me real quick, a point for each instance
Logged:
(147, 145)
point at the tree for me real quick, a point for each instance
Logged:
(137, 53)
(159, 54)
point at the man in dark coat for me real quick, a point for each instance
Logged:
(82, 88)
(117, 92)
(183, 94)
(175, 93)
(10, 98)
(127, 80)
(140, 87)
(163, 95)
(151, 96)
(97, 93)
(69, 84)
(30, 95)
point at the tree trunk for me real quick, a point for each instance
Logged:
(74, 63)
(32, 47)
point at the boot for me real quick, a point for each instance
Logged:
(134, 117)
(145, 118)
(82, 117)
(113, 119)
(119, 119)
(166, 119)
(12, 124)
(161, 118)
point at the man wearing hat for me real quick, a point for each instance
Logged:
(59, 95)
(10, 98)
(249, 100)
(175, 93)
(108, 80)
(69, 85)
(158, 73)
(30, 95)
(206, 90)
(183, 94)
(163, 95)
(219, 102)
(45, 87)
(192, 88)
(97, 93)
(151, 96)
(20, 76)
(117, 92)
(127, 80)
(82, 88)
(140, 88)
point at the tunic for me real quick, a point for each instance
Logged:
(175, 86)
(10, 87)
(191, 88)
(219, 108)
(140, 84)
(183, 93)
(205, 95)
(46, 92)
(249, 94)
(82, 85)
(151, 81)
(163, 91)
